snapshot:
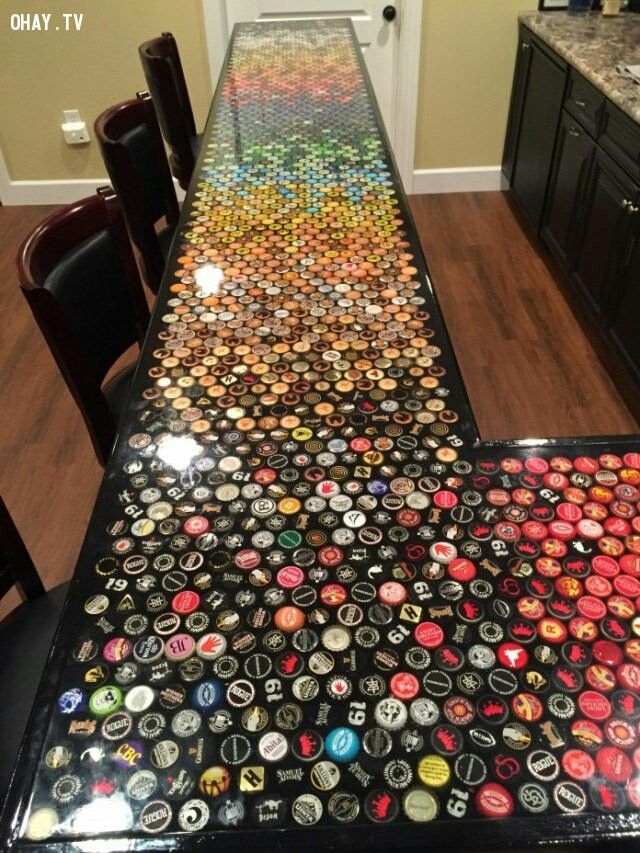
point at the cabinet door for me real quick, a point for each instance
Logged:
(625, 324)
(523, 61)
(540, 115)
(604, 232)
(574, 152)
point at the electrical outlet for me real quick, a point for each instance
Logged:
(74, 129)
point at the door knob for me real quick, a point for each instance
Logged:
(389, 13)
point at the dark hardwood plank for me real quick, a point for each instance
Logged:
(529, 369)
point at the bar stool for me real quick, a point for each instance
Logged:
(26, 635)
(165, 80)
(79, 276)
(133, 152)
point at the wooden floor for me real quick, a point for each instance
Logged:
(529, 370)
(528, 367)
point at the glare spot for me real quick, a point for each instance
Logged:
(178, 451)
(209, 279)
(104, 814)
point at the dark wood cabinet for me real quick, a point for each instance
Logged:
(541, 105)
(604, 232)
(624, 323)
(574, 154)
(572, 159)
(521, 74)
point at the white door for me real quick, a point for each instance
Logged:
(378, 38)
(391, 50)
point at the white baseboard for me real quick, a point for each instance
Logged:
(51, 192)
(463, 180)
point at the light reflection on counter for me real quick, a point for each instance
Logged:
(178, 451)
(209, 279)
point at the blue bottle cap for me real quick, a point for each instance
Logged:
(377, 487)
(207, 695)
(342, 744)
(72, 700)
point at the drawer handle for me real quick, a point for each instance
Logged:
(525, 45)
(625, 204)
(579, 102)
(574, 131)
(632, 209)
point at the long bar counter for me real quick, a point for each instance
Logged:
(312, 607)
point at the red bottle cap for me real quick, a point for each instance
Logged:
(513, 655)
(185, 602)
(429, 635)
(196, 525)
(536, 464)
(605, 566)
(598, 586)
(562, 530)
(629, 676)
(578, 764)
(586, 464)
(630, 564)
(614, 764)
(404, 686)
(493, 800)
(591, 607)
(594, 705)
(606, 652)
(290, 577)
(461, 569)
(445, 499)
(569, 512)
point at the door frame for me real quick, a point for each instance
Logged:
(406, 76)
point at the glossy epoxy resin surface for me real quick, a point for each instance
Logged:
(308, 600)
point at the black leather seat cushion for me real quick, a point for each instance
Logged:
(90, 284)
(139, 143)
(25, 639)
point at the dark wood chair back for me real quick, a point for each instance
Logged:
(26, 634)
(79, 276)
(16, 566)
(165, 80)
(133, 152)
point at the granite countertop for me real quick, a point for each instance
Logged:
(594, 45)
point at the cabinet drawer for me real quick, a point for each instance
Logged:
(585, 103)
(621, 139)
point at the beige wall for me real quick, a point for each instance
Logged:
(466, 68)
(468, 50)
(42, 73)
